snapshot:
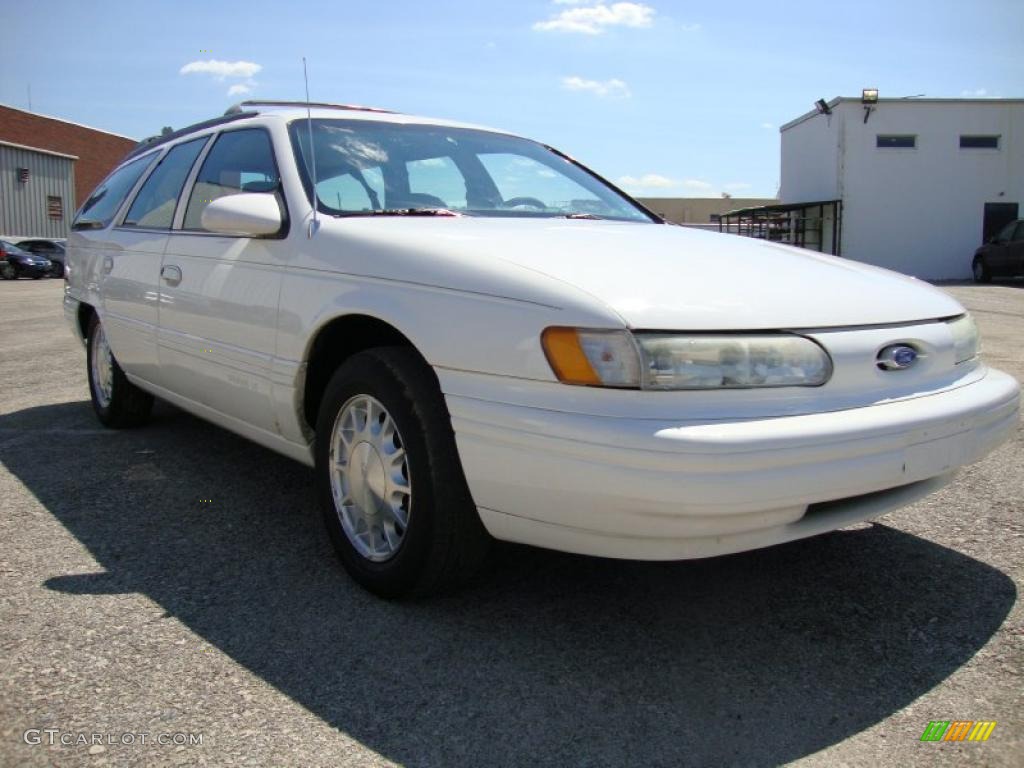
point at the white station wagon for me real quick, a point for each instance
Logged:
(474, 336)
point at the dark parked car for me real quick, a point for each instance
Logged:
(48, 249)
(19, 263)
(1002, 256)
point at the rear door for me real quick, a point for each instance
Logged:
(219, 293)
(105, 273)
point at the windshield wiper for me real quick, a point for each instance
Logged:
(405, 212)
(583, 216)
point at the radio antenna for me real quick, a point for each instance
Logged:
(314, 223)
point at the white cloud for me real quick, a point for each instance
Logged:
(648, 181)
(768, 126)
(239, 89)
(595, 19)
(221, 69)
(697, 184)
(978, 93)
(615, 88)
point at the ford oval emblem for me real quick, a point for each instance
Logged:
(897, 357)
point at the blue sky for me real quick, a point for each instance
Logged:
(668, 98)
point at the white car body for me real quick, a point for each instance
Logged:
(611, 472)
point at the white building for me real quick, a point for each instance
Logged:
(920, 182)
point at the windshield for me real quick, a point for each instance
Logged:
(367, 167)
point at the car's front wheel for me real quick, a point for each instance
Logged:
(980, 271)
(394, 496)
(117, 402)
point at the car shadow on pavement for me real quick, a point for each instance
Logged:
(550, 659)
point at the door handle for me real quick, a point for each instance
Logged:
(108, 265)
(170, 274)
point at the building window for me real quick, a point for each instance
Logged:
(979, 142)
(54, 207)
(895, 142)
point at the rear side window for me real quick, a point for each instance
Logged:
(154, 206)
(103, 203)
(240, 161)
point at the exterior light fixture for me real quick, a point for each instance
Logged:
(822, 106)
(869, 98)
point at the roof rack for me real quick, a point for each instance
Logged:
(156, 141)
(319, 104)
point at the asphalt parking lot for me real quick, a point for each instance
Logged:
(176, 580)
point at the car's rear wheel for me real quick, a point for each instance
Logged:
(57, 270)
(981, 271)
(394, 497)
(117, 402)
(7, 272)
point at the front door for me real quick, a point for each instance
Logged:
(219, 294)
(1000, 250)
(1016, 260)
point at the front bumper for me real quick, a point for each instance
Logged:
(650, 489)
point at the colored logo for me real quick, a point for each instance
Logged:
(897, 357)
(958, 730)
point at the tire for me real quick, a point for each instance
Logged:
(36, 277)
(118, 403)
(57, 270)
(435, 541)
(7, 271)
(980, 271)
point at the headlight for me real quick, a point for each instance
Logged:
(965, 338)
(732, 362)
(684, 361)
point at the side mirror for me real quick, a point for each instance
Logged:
(246, 214)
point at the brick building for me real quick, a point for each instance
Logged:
(48, 167)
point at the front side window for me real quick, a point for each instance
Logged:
(154, 205)
(240, 161)
(99, 209)
(368, 167)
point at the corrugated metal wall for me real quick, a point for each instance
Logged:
(24, 207)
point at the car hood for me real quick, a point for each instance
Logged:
(666, 277)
